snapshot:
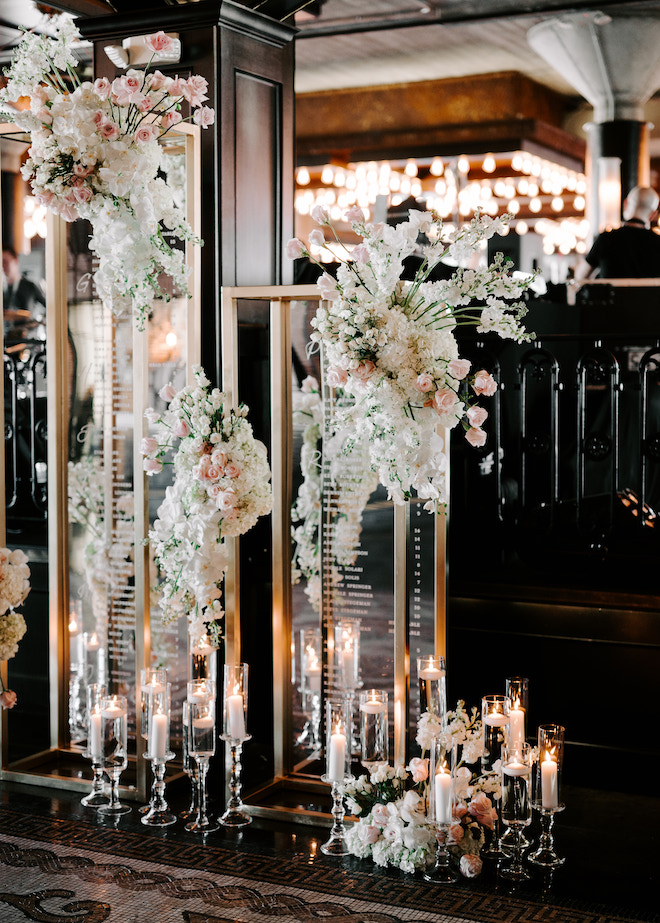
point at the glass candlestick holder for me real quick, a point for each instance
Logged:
(495, 720)
(441, 807)
(152, 681)
(374, 734)
(189, 766)
(432, 676)
(547, 798)
(158, 753)
(516, 803)
(338, 722)
(114, 715)
(201, 746)
(311, 673)
(234, 732)
(94, 751)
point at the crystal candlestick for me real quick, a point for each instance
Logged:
(495, 720)
(234, 732)
(338, 722)
(374, 737)
(432, 673)
(114, 714)
(441, 805)
(152, 682)
(516, 803)
(201, 746)
(548, 792)
(189, 766)
(158, 752)
(94, 751)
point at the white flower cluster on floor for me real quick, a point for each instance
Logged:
(353, 483)
(390, 804)
(14, 588)
(390, 344)
(95, 155)
(221, 487)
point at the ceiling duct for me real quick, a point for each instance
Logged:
(612, 61)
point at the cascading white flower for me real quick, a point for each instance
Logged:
(95, 155)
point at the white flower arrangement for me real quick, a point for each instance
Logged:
(390, 344)
(221, 487)
(390, 805)
(95, 155)
(14, 588)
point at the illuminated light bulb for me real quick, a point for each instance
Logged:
(29, 204)
(405, 185)
(302, 207)
(579, 203)
(557, 188)
(546, 186)
(513, 206)
(548, 247)
(581, 247)
(42, 229)
(171, 339)
(491, 207)
(523, 186)
(327, 175)
(397, 200)
(536, 167)
(509, 190)
(463, 164)
(517, 162)
(499, 188)
(464, 208)
(450, 228)
(521, 228)
(411, 168)
(582, 229)
(351, 181)
(342, 200)
(416, 188)
(339, 178)
(488, 166)
(372, 175)
(571, 182)
(486, 191)
(363, 200)
(335, 213)
(437, 167)
(532, 190)
(303, 177)
(546, 172)
(565, 248)
(395, 182)
(557, 204)
(535, 205)
(385, 169)
(29, 228)
(360, 171)
(441, 187)
(329, 197)
(351, 197)
(504, 230)
(581, 187)
(527, 165)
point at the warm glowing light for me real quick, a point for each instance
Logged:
(327, 174)
(463, 164)
(521, 228)
(513, 206)
(411, 168)
(557, 204)
(579, 203)
(535, 205)
(171, 339)
(488, 166)
(303, 177)
(437, 167)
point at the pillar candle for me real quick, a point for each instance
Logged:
(337, 756)
(517, 727)
(95, 740)
(236, 716)
(348, 674)
(443, 813)
(549, 788)
(158, 738)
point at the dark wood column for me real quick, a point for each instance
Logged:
(247, 156)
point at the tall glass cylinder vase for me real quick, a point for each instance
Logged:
(495, 720)
(234, 732)
(153, 681)
(94, 751)
(516, 802)
(158, 752)
(114, 717)
(547, 794)
(338, 722)
(441, 806)
(202, 659)
(432, 676)
(201, 746)
(311, 677)
(347, 654)
(374, 725)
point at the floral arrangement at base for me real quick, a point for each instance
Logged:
(221, 487)
(14, 588)
(390, 344)
(95, 155)
(390, 804)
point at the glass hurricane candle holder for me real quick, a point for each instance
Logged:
(94, 751)
(189, 766)
(374, 733)
(203, 660)
(516, 803)
(234, 731)
(517, 691)
(114, 716)
(548, 792)
(311, 672)
(347, 654)
(441, 807)
(158, 752)
(152, 681)
(201, 746)
(432, 676)
(338, 723)
(495, 719)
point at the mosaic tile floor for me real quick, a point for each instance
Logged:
(59, 863)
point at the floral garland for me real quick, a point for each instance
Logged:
(221, 487)
(95, 155)
(14, 588)
(352, 494)
(392, 827)
(390, 344)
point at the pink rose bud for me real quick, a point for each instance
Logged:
(320, 215)
(169, 119)
(477, 416)
(328, 287)
(149, 445)
(294, 249)
(317, 238)
(225, 501)
(476, 436)
(160, 41)
(180, 429)
(458, 368)
(152, 466)
(354, 215)
(336, 377)
(204, 116)
(177, 86)
(424, 382)
(167, 392)
(484, 383)
(109, 131)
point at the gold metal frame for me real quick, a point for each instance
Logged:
(280, 299)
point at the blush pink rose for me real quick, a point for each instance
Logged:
(455, 835)
(141, 102)
(152, 466)
(317, 238)
(181, 429)
(365, 370)
(102, 87)
(327, 286)
(213, 490)
(360, 254)
(109, 131)
(226, 501)
(370, 834)
(470, 866)
(194, 90)
(294, 249)
(484, 383)
(481, 808)
(444, 400)
(167, 392)
(459, 810)
(176, 87)
(146, 133)
(476, 437)
(218, 457)
(380, 814)
(170, 119)
(424, 382)
(204, 116)
(8, 698)
(133, 82)
(159, 41)
(99, 118)
(148, 445)
(320, 215)
(337, 377)
(477, 415)
(419, 769)
(82, 193)
(354, 214)
(232, 471)
(458, 368)
(213, 472)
